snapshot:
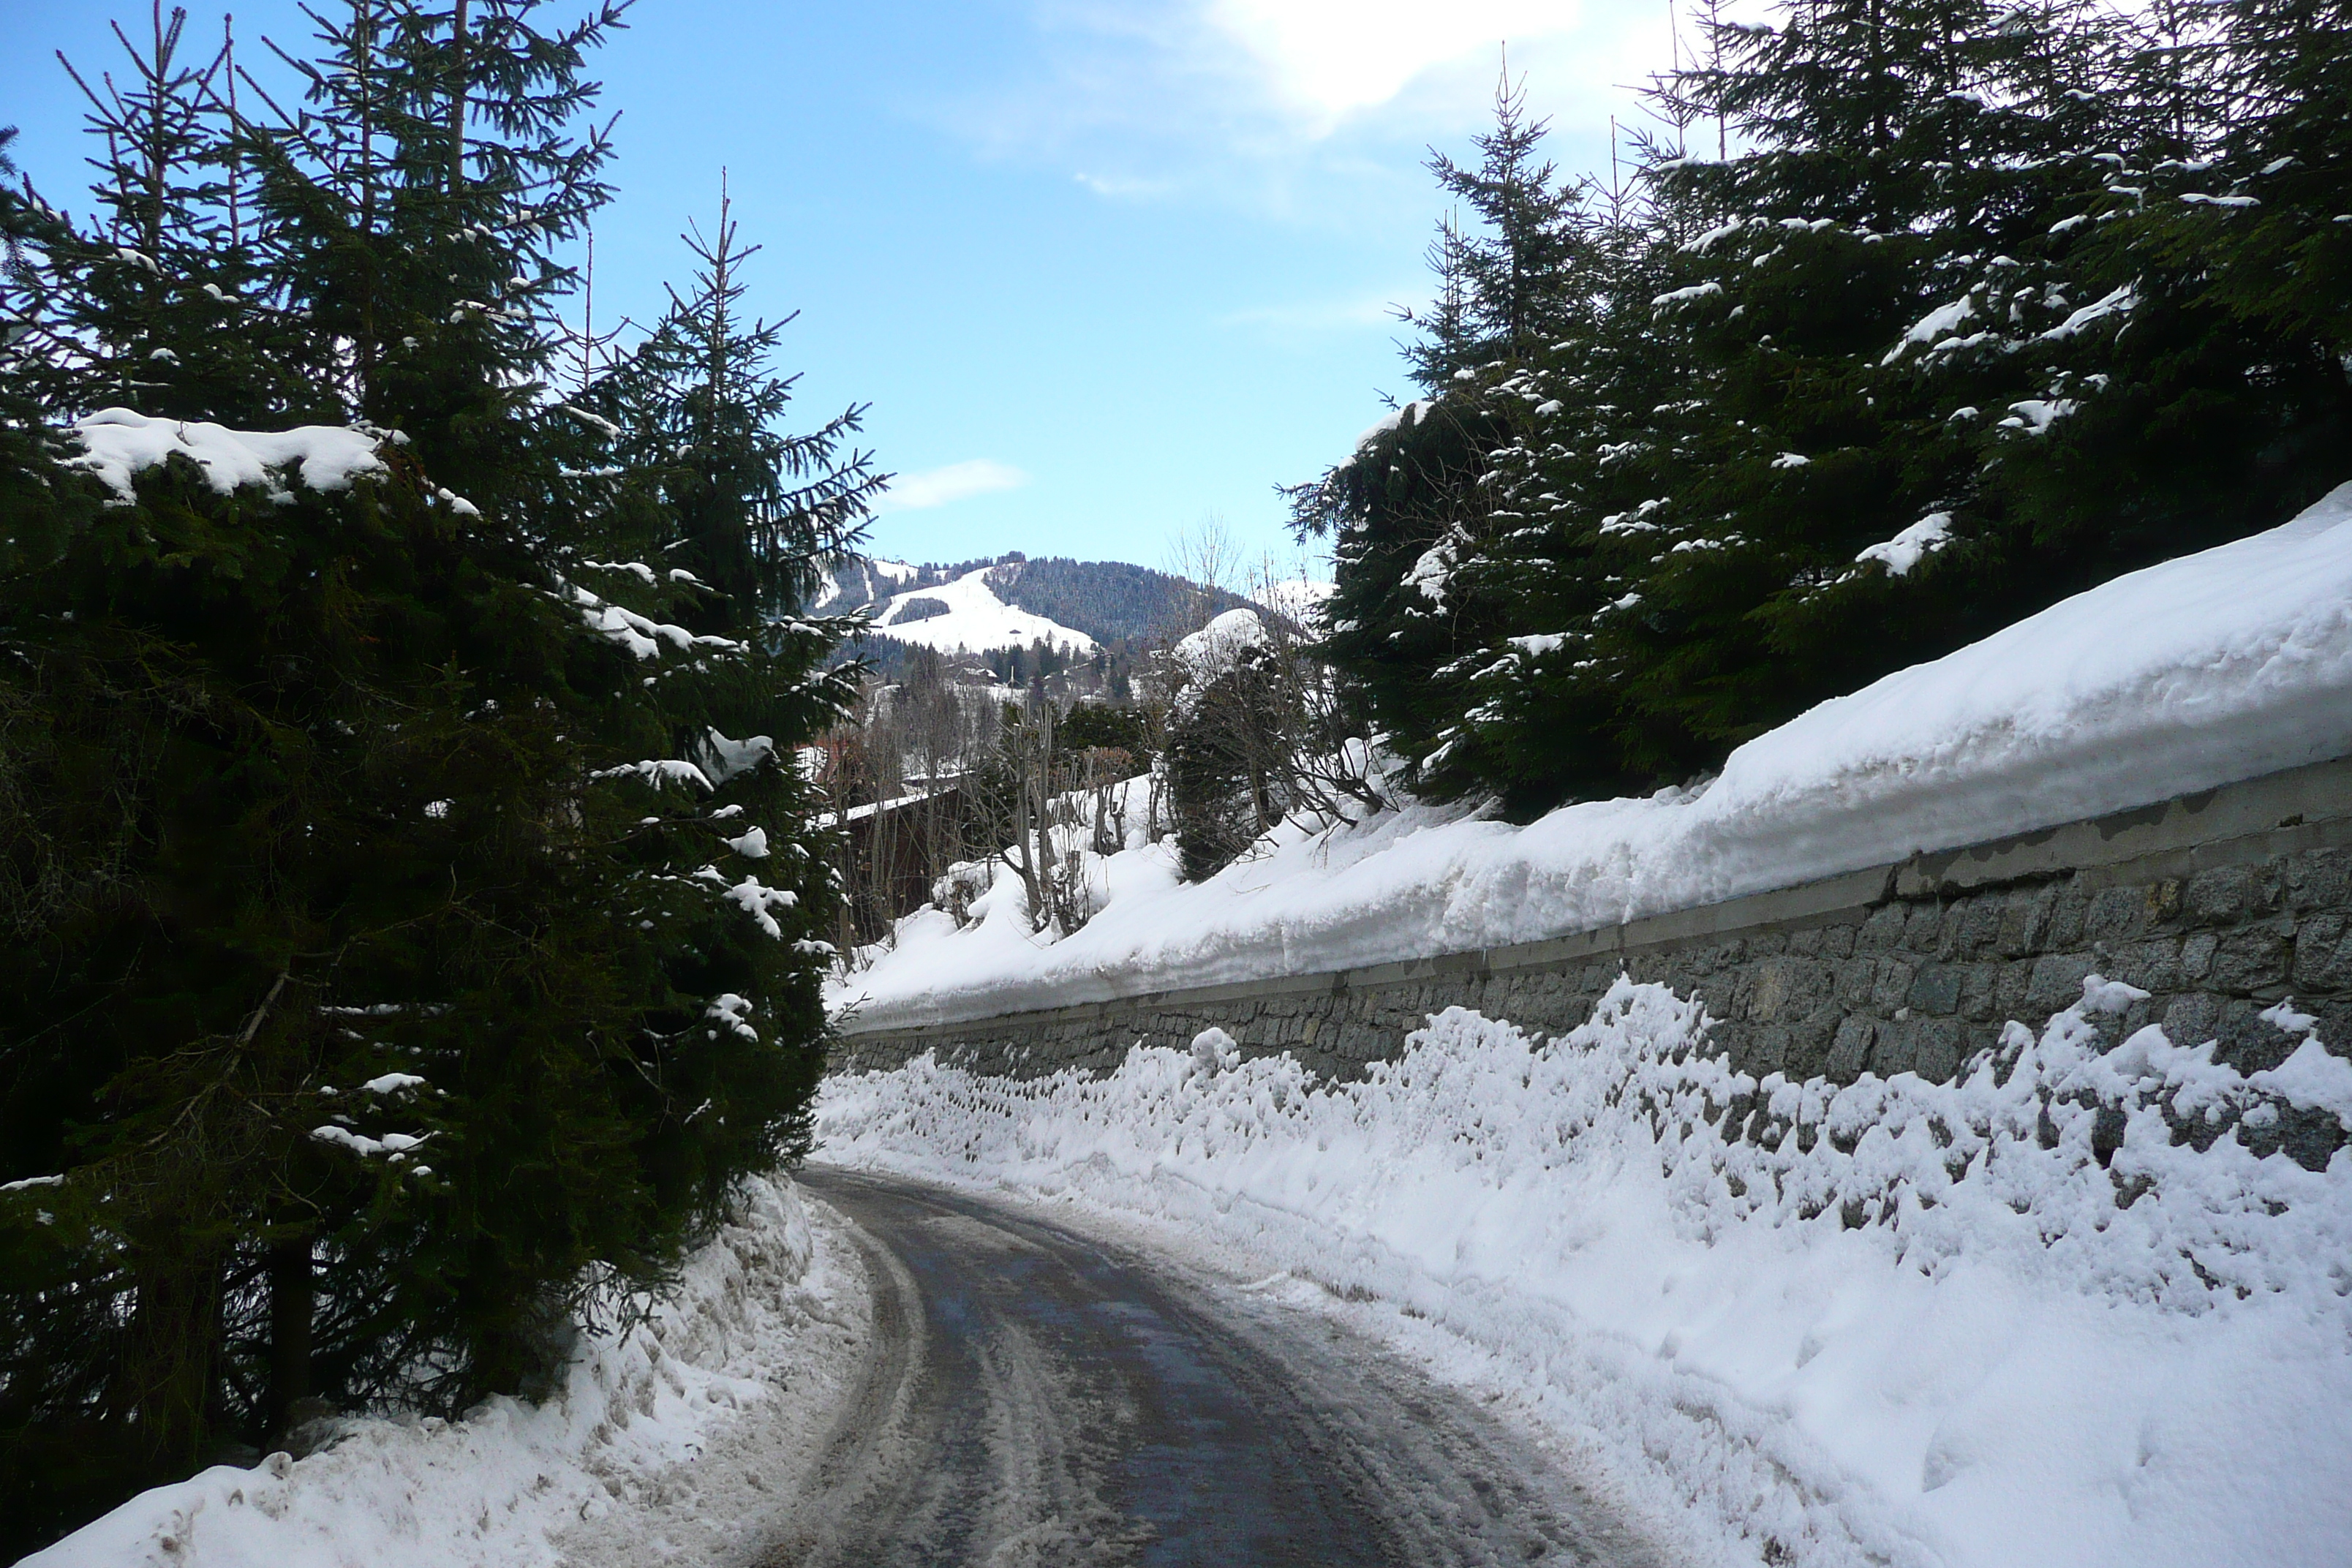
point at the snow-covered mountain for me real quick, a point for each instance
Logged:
(1077, 605)
(861, 580)
(966, 612)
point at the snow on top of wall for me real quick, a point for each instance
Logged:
(119, 443)
(2217, 667)
(975, 619)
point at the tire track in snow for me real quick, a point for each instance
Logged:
(1032, 1396)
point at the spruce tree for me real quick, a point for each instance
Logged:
(411, 904)
(1443, 552)
(2271, 220)
(1944, 329)
(415, 203)
(754, 512)
(164, 291)
(1852, 282)
(2214, 396)
(293, 776)
(1505, 288)
(718, 522)
(36, 508)
(1598, 426)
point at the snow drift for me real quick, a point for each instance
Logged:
(2003, 1321)
(2201, 671)
(755, 1334)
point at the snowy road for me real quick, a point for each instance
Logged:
(1032, 1397)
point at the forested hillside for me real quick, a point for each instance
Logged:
(1112, 601)
(1915, 317)
(403, 962)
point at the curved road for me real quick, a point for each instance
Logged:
(1032, 1397)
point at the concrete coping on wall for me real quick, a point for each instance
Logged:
(2302, 808)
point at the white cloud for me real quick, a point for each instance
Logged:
(1344, 314)
(1118, 187)
(1313, 111)
(1330, 58)
(953, 482)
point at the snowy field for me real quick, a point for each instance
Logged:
(670, 1443)
(1911, 1324)
(2210, 668)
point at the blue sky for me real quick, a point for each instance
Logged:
(1104, 271)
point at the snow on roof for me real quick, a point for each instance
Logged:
(976, 618)
(860, 812)
(119, 443)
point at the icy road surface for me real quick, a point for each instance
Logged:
(1034, 1396)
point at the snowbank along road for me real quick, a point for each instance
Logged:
(1032, 1397)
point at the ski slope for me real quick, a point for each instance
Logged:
(976, 619)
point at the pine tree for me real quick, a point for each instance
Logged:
(1598, 427)
(2220, 397)
(1447, 339)
(1439, 568)
(409, 957)
(1505, 290)
(1945, 328)
(2284, 252)
(38, 509)
(163, 293)
(682, 434)
(1402, 514)
(754, 512)
(1905, 167)
(414, 204)
(295, 774)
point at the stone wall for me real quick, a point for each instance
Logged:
(2218, 904)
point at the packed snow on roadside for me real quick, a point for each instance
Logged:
(732, 1374)
(1900, 1323)
(2213, 668)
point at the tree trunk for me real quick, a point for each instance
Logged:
(1024, 861)
(293, 1299)
(169, 1363)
